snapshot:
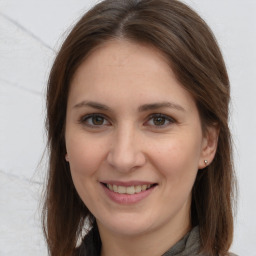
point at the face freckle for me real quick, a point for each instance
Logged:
(126, 84)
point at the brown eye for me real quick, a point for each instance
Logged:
(159, 121)
(94, 120)
(97, 120)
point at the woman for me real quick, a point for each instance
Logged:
(140, 148)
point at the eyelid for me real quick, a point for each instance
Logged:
(167, 117)
(82, 120)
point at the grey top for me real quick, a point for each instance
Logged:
(189, 245)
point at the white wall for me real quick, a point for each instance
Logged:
(30, 33)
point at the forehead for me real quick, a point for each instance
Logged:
(126, 69)
(122, 53)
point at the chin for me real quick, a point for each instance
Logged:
(129, 225)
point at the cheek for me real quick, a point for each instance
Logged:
(177, 159)
(177, 164)
(85, 155)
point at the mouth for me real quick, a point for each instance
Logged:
(129, 190)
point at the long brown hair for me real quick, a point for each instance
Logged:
(189, 45)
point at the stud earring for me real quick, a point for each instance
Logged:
(205, 162)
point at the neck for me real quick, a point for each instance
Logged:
(156, 242)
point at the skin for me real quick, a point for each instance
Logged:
(126, 143)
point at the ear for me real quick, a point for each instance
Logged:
(66, 157)
(209, 146)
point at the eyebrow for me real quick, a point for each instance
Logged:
(154, 106)
(142, 108)
(92, 104)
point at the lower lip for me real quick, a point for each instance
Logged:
(127, 198)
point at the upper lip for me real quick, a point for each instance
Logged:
(127, 183)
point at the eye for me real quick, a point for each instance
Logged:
(160, 120)
(94, 120)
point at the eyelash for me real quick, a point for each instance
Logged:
(84, 120)
(167, 118)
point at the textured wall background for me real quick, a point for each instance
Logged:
(30, 34)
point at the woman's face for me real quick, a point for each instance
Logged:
(134, 140)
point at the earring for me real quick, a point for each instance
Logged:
(205, 162)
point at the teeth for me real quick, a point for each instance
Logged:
(121, 189)
(138, 189)
(128, 190)
(114, 188)
(144, 187)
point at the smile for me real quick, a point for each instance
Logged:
(130, 190)
(127, 193)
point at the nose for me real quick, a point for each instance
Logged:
(126, 150)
